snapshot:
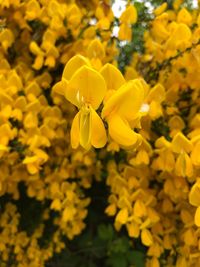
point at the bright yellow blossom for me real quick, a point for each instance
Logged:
(121, 109)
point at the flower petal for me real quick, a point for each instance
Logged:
(127, 101)
(112, 76)
(122, 216)
(129, 16)
(61, 87)
(86, 86)
(73, 65)
(181, 143)
(197, 217)
(194, 195)
(98, 132)
(146, 237)
(85, 126)
(157, 93)
(121, 132)
(75, 131)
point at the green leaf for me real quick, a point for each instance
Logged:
(117, 260)
(136, 257)
(105, 232)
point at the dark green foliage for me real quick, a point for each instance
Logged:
(105, 247)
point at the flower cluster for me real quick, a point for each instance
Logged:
(87, 88)
(69, 119)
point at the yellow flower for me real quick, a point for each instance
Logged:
(113, 78)
(85, 89)
(184, 17)
(180, 143)
(183, 166)
(159, 10)
(34, 162)
(155, 97)
(129, 16)
(6, 38)
(96, 53)
(74, 15)
(180, 37)
(32, 10)
(120, 111)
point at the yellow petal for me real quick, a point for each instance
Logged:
(75, 131)
(6, 38)
(139, 209)
(126, 101)
(122, 216)
(60, 87)
(56, 204)
(157, 93)
(155, 110)
(111, 210)
(129, 15)
(195, 155)
(28, 160)
(159, 10)
(85, 128)
(3, 148)
(176, 122)
(96, 49)
(35, 49)
(74, 15)
(73, 65)
(181, 34)
(133, 229)
(32, 168)
(197, 217)
(181, 143)
(155, 262)
(183, 166)
(194, 195)
(125, 32)
(32, 10)
(181, 262)
(98, 132)
(113, 77)
(86, 86)
(146, 237)
(121, 132)
(68, 214)
(184, 17)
